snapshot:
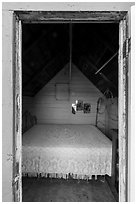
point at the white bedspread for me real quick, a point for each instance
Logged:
(59, 150)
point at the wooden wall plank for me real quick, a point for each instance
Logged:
(50, 110)
(34, 16)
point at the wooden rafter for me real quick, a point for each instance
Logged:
(102, 40)
(89, 69)
(102, 54)
(32, 46)
(58, 62)
(106, 63)
(101, 74)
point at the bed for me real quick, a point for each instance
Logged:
(60, 151)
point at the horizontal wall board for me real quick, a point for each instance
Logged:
(51, 106)
(82, 89)
(27, 99)
(51, 99)
(65, 121)
(48, 109)
(60, 112)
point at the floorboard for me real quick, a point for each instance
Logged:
(60, 190)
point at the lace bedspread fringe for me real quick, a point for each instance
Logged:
(59, 175)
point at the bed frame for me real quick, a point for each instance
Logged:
(112, 134)
(28, 121)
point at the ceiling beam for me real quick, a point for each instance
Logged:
(104, 65)
(89, 72)
(101, 74)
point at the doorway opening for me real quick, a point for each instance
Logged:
(59, 63)
(63, 64)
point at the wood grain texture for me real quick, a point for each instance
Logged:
(50, 110)
(123, 111)
(42, 16)
(17, 120)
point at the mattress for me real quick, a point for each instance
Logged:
(63, 150)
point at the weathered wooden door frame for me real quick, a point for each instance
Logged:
(17, 110)
(120, 17)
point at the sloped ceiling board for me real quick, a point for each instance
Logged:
(42, 75)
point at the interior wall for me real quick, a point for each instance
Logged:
(7, 82)
(113, 114)
(48, 109)
(108, 116)
(26, 103)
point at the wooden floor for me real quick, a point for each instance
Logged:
(60, 190)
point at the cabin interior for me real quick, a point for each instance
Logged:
(70, 112)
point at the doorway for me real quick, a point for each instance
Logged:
(122, 56)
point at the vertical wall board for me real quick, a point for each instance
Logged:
(7, 106)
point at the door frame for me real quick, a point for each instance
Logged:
(120, 17)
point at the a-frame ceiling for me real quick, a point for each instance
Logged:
(46, 50)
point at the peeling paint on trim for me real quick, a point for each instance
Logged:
(42, 16)
(123, 109)
(90, 16)
(17, 76)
